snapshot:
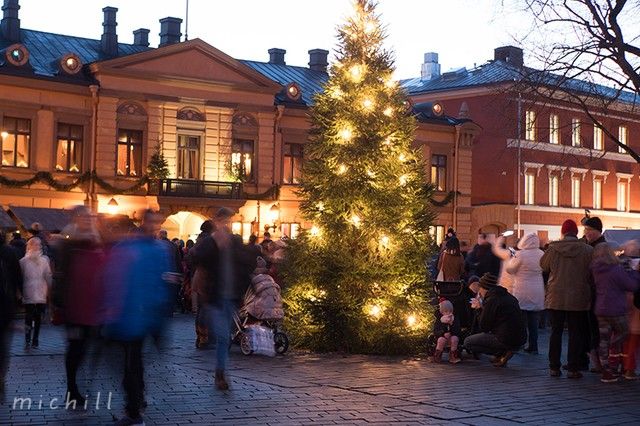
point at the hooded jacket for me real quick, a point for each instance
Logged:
(528, 286)
(568, 264)
(612, 282)
(501, 317)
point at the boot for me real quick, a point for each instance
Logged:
(436, 357)
(454, 357)
(220, 381)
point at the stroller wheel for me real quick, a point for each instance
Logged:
(281, 342)
(245, 344)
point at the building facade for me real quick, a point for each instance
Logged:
(539, 160)
(82, 119)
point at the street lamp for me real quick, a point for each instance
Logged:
(112, 207)
(274, 217)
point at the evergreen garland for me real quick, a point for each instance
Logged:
(47, 177)
(446, 200)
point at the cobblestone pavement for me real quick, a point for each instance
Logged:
(301, 388)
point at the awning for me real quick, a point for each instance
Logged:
(52, 220)
(6, 222)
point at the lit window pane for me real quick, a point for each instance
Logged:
(8, 149)
(61, 155)
(22, 151)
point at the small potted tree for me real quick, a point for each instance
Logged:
(157, 170)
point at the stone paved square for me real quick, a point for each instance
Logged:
(303, 388)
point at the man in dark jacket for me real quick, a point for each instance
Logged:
(481, 260)
(568, 297)
(10, 282)
(228, 264)
(19, 245)
(502, 330)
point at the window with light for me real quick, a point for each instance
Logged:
(554, 129)
(242, 158)
(437, 233)
(129, 161)
(597, 193)
(623, 191)
(439, 172)
(291, 230)
(529, 188)
(16, 137)
(293, 155)
(530, 125)
(188, 157)
(598, 142)
(69, 149)
(575, 191)
(554, 187)
(623, 137)
(575, 132)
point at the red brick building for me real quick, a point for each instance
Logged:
(567, 165)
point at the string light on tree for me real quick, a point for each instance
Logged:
(384, 241)
(367, 104)
(315, 231)
(403, 180)
(356, 72)
(388, 111)
(346, 133)
(356, 220)
(412, 320)
(342, 169)
(375, 311)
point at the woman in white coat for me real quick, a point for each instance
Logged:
(528, 286)
(36, 274)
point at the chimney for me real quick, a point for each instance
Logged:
(509, 54)
(109, 39)
(10, 23)
(141, 37)
(430, 67)
(318, 59)
(170, 31)
(276, 56)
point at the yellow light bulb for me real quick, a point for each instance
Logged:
(375, 311)
(384, 240)
(367, 103)
(371, 174)
(388, 140)
(388, 111)
(315, 231)
(402, 157)
(356, 72)
(355, 219)
(369, 27)
(390, 83)
(336, 93)
(4, 134)
(346, 134)
(320, 206)
(412, 320)
(403, 180)
(342, 169)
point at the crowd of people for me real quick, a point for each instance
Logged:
(118, 288)
(585, 285)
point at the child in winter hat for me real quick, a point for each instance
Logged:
(447, 330)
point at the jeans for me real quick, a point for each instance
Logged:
(485, 343)
(133, 377)
(77, 342)
(531, 319)
(577, 324)
(220, 316)
(32, 320)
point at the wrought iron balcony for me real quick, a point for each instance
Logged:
(200, 189)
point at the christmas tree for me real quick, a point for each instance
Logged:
(357, 279)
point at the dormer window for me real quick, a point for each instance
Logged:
(17, 54)
(293, 91)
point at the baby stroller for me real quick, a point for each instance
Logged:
(260, 315)
(457, 293)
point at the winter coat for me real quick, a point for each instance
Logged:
(481, 260)
(452, 266)
(505, 278)
(501, 317)
(10, 282)
(263, 300)
(36, 275)
(611, 284)
(568, 263)
(207, 255)
(20, 247)
(79, 287)
(528, 285)
(137, 297)
(440, 328)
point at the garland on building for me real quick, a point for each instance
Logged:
(47, 178)
(357, 280)
(446, 200)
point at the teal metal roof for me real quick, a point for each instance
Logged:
(46, 49)
(497, 72)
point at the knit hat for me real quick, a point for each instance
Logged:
(569, 227)
(594, 222)
(488, 281)
(446, 306)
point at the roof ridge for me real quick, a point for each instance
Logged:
(281, 65)
(76, 37)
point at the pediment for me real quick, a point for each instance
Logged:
(192, 59)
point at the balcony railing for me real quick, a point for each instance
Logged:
(200, 189)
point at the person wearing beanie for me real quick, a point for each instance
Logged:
(568, 297)
(593, 231)
(502, 329)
